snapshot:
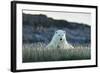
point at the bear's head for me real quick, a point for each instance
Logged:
(59, 36)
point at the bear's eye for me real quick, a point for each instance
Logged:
(59, 35)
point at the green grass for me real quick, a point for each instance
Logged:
(38, 53)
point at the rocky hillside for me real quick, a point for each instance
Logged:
(40, 28)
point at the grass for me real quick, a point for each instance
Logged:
(38, 53)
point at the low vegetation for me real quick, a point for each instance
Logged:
(38, 53)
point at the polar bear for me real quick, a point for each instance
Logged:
(59, 41)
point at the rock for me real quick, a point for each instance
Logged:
(40, 28)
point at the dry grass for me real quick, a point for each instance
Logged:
(37, 53)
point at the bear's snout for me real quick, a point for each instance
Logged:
(60, 39)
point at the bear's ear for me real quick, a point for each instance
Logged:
(55, 32)
(65, 32)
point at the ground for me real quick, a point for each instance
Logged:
(38, 53)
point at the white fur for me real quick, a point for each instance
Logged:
(59, 41)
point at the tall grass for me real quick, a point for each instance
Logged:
(38, 53)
